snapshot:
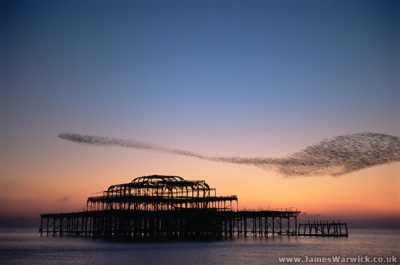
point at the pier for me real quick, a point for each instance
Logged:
(174, 224)
(323, 228)
(170, 207)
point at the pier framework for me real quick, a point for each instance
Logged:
(323, 228)
(168, 207)
(174, 224)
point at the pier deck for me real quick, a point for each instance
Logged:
(179, 224)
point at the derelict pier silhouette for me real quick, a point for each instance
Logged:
(170, 207)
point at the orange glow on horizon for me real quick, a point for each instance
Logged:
(370, 191)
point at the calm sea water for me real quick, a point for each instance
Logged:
(27, 247)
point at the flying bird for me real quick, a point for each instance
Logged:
(336, 156)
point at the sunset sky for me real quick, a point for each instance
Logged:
(230, 78)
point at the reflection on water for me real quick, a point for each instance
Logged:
(26, 247)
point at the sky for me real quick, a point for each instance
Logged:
(224, 78)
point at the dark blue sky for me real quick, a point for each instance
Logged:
(179, 64)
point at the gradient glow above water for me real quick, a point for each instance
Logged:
(225, 78)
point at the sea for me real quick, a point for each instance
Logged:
(363, 246)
